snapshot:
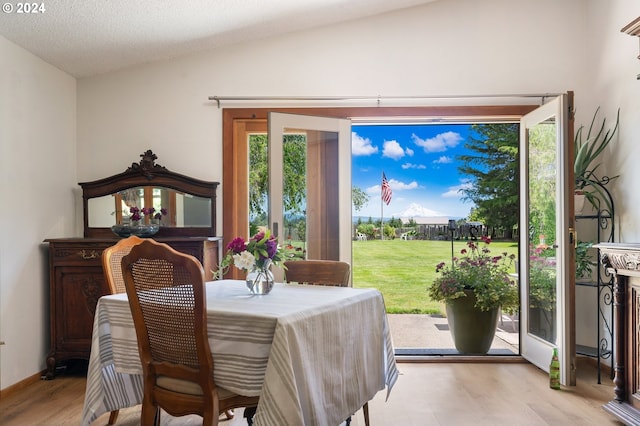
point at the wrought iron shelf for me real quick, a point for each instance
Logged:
(604, 289)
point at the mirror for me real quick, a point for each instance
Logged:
(171, 208)
(149, 193)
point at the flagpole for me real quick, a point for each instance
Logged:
(381, 209)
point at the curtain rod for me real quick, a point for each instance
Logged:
(378, 98)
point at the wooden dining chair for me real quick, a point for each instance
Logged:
(166, 291)
(112, 269)
(318, 272)
(322, 272)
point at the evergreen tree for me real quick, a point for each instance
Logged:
(493, 169)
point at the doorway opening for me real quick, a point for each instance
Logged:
(450, 186)
(240, 123)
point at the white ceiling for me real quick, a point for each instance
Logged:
(88, 37)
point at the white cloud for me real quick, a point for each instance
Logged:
(443, 160)
(392, 149)
(413, 166)
(395, 185)
(438, 143)
(362, 146)
(455, 191)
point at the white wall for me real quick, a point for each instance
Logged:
(452, 47)
(612, 59)
(37, 165)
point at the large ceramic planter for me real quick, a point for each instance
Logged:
(472, 329)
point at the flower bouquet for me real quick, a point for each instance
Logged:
(256, 257)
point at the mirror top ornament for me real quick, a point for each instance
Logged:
(149, 193)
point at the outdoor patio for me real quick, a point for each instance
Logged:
(415, 334)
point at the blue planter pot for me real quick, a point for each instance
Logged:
(472, 330)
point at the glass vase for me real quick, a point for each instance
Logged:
(260, 280)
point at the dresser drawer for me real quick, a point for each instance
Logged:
(89, 254)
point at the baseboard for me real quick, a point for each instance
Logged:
(604, 368)
(6, 392)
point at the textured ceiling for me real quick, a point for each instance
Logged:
(88, 37)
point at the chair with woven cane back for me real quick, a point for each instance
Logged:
(322, 272)
(111, 265)
(166, 292)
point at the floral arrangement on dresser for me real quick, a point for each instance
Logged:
(136, 213)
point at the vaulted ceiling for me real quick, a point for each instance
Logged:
(89, 37)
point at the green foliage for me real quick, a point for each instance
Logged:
(367, 229)
(542, 182)
(584, 261)
(359, 198)
(294, 185)
(401, 270)
(258, 175)
(493, 169)
(477, 270)
(586, 152)
(389, 231)
(542, 281)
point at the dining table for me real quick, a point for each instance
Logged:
(313, 354)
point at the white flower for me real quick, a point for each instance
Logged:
(244, 260)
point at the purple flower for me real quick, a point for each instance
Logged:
(237, 245)
(272, 247)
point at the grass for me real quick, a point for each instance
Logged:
(402, 270)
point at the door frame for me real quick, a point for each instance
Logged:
(238, 123)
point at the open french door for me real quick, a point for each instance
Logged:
(547, 312)
(326, 164)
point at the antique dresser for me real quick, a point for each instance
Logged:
(186, 210)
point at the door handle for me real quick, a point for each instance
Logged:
(573, 237)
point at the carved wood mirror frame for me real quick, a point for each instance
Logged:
(147, 173)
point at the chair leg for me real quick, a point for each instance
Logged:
(365, 410)
(249, 412)
(113, 417)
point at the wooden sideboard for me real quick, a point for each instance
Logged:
(188, 224)
(77, 282)
(623, 261)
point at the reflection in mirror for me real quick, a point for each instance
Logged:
(170, 208)
(542, 230)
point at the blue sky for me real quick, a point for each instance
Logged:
(419, 162)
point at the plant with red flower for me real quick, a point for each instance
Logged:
(477, 270)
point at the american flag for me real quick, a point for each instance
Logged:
(386, 190)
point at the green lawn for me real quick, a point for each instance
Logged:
(402, 270)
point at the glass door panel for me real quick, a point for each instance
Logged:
(310, 184)
(546, 301)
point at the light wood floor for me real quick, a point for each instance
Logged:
(425, 394)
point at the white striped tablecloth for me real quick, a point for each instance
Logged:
(314, 354)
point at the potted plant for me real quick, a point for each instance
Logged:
(474, 287)
(585, 164)
(584, 260)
